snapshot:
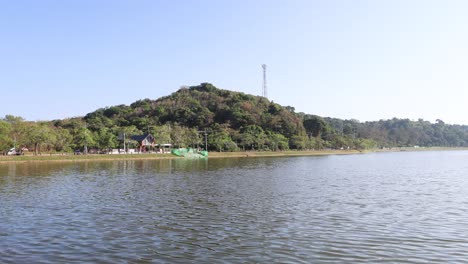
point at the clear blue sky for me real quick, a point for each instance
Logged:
(367, 60)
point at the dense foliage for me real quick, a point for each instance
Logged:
(224, 121)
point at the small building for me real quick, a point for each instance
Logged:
(144, 141)
(163, 148)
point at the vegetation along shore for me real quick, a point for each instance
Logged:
(238, 154)
(205, 117)
(104, 157)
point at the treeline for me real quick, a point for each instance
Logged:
(404, 132)
(225, 121)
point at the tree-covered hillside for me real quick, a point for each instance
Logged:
(404, 132)
(231, 121)
(200, 107)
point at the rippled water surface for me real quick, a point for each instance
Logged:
(407, 207)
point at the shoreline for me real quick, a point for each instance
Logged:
(288, 153)
(212, 155)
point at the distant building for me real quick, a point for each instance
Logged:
(144, 141)
(164, 148)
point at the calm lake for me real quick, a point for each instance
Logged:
(406, 207)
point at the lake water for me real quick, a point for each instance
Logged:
(406, 207)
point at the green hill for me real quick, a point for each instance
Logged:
(231, 118)
(224, 121)
(201, 107)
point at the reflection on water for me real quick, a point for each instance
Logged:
(393, 207)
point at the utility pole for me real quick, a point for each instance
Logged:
(206, 140)
(86, 139)
(125, 148)
(205, 133)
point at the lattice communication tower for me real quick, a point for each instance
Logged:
(264, 86)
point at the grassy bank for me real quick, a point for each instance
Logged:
(241, 154)
(282, 153)
(104, 157)
(420, 149)
(91, 157)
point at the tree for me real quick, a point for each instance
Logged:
(17, 129)
(82, 137)
(364, 144)
(220, 140)
(38, 134)
(162, 134)
(5, 140)
(178, 135)
(298, 142)
(192, 137)
(105, 139)
(276, 141)
(125, 134)
(315, 126)
(315, 143)
(252, 137)
(13, 119)
(63, 139)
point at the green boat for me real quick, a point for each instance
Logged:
(190, 153)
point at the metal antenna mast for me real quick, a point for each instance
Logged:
(264, 87)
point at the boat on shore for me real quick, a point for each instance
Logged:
(190, 153)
